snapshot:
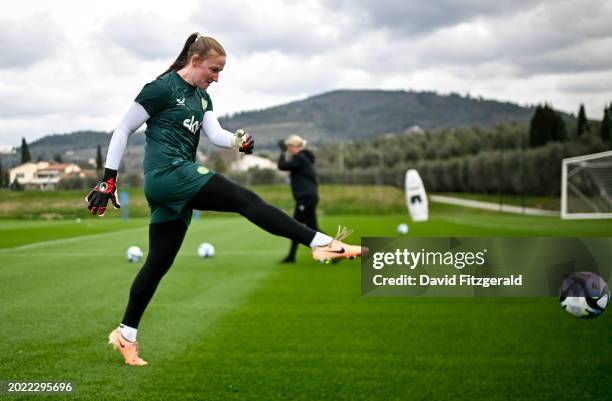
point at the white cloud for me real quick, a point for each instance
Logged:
(288, 27)
(591, 83)
(143, 34)
(26, 41)
(417, 17)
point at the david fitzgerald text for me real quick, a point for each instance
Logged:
(449, 280)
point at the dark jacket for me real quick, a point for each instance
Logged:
(304, 183)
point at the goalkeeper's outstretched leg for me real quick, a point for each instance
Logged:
(223, 195)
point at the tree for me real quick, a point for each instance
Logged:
(57, 158)
(546, 125)
(99, 162)
(559, 132)
(25, 152)
(1, 177)
(606, 125)
(539, 127)
(583, 123)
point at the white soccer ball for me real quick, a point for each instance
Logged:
(134, 254)
(584, 295)
(206, 250)
(402, 229)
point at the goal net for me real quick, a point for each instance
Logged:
(586, 187)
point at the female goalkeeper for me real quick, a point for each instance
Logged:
(177, 108)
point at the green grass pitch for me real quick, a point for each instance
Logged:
(240, 326)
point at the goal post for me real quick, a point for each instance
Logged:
(586, 186)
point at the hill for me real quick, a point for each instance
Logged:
(329, 117)
(354, 114)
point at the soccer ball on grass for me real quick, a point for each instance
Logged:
(206, 250)
(134, 254)
(402, 229)
(584, 295)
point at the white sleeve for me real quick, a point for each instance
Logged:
(135, 117)
(217, 135)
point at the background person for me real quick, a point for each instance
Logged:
(304, 184)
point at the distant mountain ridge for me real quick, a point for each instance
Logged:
(355, 114)
(333, 116)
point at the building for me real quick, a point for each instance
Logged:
(43, 175)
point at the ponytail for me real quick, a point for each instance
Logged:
(195, 44)
(181, 60)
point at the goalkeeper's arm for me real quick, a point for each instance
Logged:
(106, 190)
(241, 140)
(135, 117)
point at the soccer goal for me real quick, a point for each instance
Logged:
(586, 187)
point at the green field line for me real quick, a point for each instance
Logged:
(64, 241)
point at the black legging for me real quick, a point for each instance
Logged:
(305, 212)
(165, 239)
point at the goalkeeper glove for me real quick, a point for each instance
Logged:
(98, 198)
(244, 142)
(282, 145)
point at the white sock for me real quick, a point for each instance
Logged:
(129, 333)
(320, 239)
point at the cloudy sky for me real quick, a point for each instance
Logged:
(72, 65)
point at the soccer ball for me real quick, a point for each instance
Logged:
(134, 254)
(206, 250)
(584, 295)
(402, 229)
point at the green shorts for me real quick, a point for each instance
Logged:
(169, 189)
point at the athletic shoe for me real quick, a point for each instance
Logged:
(338, 250)
(127, 349)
